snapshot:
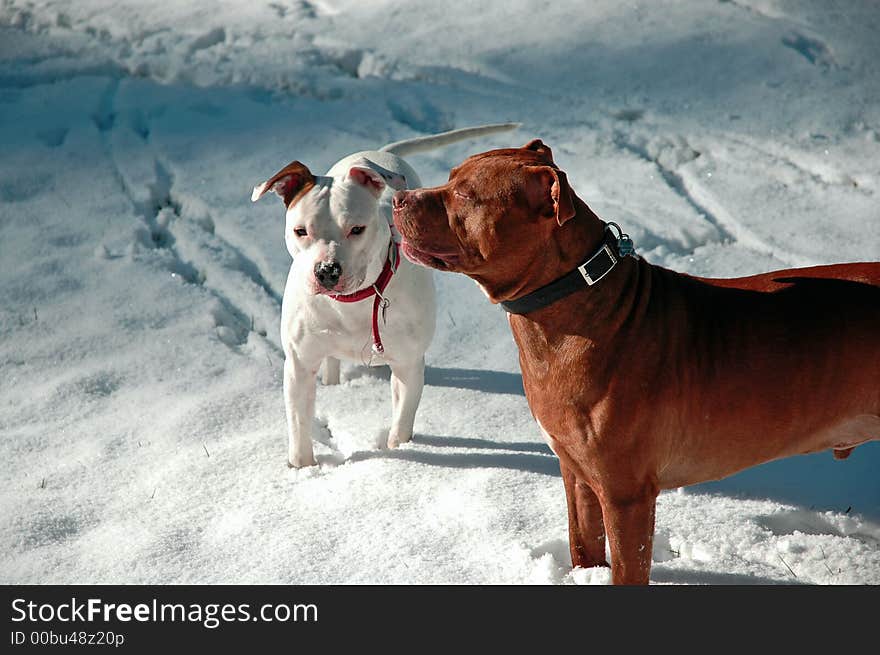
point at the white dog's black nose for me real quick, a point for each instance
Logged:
(327, 274)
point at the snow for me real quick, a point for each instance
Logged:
(140, 395)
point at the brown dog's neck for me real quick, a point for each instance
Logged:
(572, 243)
(607, 303)
(566, 247)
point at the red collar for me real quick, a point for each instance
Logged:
(376, 289)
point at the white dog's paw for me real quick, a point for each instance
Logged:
(396, 438)
(301, 460)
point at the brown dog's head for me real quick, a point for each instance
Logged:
(492, 220)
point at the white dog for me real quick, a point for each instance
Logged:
(349, 294)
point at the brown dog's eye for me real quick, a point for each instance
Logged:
(356, 230)
(300, 231)
(463, 196)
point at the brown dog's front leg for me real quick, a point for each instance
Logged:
(586, 531)
(630, 524)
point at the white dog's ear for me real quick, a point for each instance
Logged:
(289, 183)
(368, 178)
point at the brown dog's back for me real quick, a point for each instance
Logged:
(861, 273)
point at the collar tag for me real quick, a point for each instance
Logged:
(598, 266)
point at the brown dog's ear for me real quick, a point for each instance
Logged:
(548, 191)
(288, 183)
(538, 146)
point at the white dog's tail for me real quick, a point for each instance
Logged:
(422, 143)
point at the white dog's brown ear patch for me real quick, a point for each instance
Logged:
(368, 178)
(289, 183)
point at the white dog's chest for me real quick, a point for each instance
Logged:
(324, 327)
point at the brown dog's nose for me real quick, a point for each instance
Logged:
(398, 199)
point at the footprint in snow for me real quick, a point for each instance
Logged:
(329, 455)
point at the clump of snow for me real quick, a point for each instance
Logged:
(140, 370)
(593, 576)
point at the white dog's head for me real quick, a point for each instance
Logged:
(334, 230)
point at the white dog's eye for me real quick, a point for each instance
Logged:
(356, 230)
(300, 231)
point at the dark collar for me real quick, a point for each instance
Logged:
(598, 265)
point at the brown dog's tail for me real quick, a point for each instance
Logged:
(433, 141)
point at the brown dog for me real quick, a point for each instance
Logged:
(642, 378)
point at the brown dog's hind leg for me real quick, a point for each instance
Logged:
(843, 453)
(586, 531)
(630, 524)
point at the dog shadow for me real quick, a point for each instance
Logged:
(484, 444)
(476, 380)
(816, 481)
(457, 378)
(518, 456)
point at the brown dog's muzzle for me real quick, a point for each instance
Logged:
(398, 200)
(417, 205)
(420, 217)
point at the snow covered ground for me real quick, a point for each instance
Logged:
(141, 419)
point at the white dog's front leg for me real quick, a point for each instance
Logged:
(299, 401)
(407, 382)
(330, 371)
